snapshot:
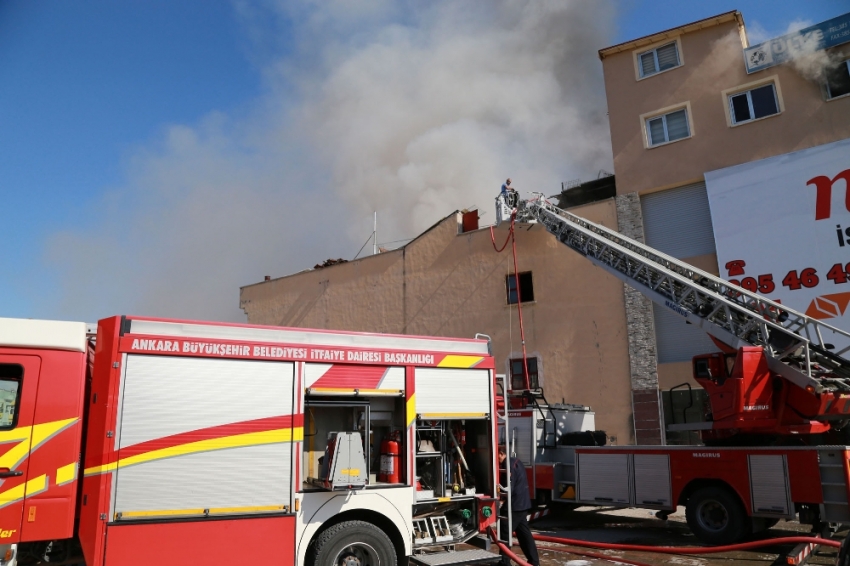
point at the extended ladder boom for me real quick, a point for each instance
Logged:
(797, 346)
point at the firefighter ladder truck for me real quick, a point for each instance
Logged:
(777, 384)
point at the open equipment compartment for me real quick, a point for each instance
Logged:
(377, 422)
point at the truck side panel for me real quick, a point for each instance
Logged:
(261, 540)
(202, 436)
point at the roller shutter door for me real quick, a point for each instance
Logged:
(769, 484)
(676, 340)
(652, 479)
(603, 478)
(200, 436)
(678, 223)
(453, 393)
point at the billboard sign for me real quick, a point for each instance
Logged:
(782, 229)
(808, 40)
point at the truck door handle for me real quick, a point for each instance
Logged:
(6, 473)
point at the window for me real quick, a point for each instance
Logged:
(518, 371)
(658, 59)
(10, 393)
(526, 288)
(753, 104)
(838, 80)
(667, 127)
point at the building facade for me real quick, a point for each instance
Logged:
(452, 282)
(682, 107)
(682, 104)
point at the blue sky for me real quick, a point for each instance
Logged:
(155, 155)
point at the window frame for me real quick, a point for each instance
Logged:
(827, 94)
(532, 381)
(524, 291)
(20, 381)
(728, 93)
(662, 112)
(636, 55)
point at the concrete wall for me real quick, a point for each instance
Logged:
(449, 284)
(712, 62)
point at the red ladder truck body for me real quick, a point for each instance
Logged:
(776, 383)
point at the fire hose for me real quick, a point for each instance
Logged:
(662, 549)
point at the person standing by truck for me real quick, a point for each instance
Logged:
(520, 505)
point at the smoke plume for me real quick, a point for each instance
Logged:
(807, 58)
(409, 109)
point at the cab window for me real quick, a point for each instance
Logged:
(11, 376)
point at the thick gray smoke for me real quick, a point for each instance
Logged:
(807, 58)
(413, 110)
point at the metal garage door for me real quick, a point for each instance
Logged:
(678, 222)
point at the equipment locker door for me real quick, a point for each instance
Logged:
(204, 437)
(18, 385)
(769, 485)
(443, 393)
(604, 478)
(652, 480)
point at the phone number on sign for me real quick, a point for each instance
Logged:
(794, 279)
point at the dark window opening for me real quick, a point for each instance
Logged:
(11, 376)
(754, 104)
(518, 372)
(526, 288)
(838, 80)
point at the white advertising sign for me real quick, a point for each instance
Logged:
(782, 228)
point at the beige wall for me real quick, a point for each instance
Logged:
(713, 62)
(446, 284)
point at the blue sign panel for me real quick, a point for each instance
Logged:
(808, 40)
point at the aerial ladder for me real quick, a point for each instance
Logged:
(779, 371)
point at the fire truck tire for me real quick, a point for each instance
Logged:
(716, 516)
(354, 543)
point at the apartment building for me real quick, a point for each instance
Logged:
(713, 141)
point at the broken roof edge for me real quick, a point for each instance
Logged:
(673, 32)
(400, 248)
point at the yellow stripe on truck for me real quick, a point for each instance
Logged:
(411, 409)
(452, 361)
(210, 511)
(66, 474)
(435, 416)
(276, 436)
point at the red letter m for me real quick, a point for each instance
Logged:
(823, 200)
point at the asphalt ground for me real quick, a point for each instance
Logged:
(639, 526)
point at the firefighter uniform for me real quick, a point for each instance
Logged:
(520, 504)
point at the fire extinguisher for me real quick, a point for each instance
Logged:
(390, 459)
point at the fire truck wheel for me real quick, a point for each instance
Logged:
(716, 516)
(354, 543)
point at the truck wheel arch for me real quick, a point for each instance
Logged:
(367, 516)
(373, 508)
(699, 483)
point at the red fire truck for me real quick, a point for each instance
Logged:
(190, 442)
(778, 382)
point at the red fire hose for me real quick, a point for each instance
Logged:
(504, 548)
(692, 549)
(659, 549)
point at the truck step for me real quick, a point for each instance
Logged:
(451, 558)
